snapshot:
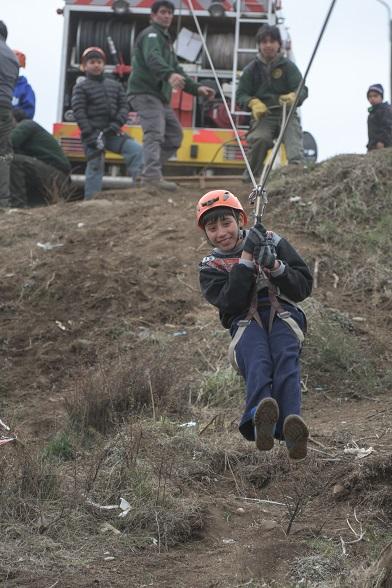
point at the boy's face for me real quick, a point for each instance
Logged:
(223, 232)
(269, 48)
(374, 98)
(164, 17)
(94, 66)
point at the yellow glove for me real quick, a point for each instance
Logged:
(288, 99)
(258, 108)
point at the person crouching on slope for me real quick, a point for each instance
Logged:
(255, 278)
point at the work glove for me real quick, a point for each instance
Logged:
(115, 128)
(258, 108)
(267, 255)
(288, 99)
(255, 239)
(96, 141)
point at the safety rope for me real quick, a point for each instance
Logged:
(238, 139)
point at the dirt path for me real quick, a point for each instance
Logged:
(88, 283)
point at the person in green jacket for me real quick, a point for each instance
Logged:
(155, 74)
(268, 82)
(40, 171)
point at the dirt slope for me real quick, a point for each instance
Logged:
(106, 340)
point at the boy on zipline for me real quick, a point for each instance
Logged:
(255, 278)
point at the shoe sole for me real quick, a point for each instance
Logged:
(265, 419)
(296, 434)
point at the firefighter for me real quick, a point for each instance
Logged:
(23, 97)
(9, 71)
(265, 84)
(100, 108)
(379, 119)
(155, 73)
(255, 278)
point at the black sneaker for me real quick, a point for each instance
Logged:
(264, 420)
(296, 435)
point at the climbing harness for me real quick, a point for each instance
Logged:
(276, 310)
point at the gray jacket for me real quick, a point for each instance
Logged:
(9, 71)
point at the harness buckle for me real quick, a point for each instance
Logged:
(244, 322)
(284, 315)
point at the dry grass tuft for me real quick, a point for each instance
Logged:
(105, 398)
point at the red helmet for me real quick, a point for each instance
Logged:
(215, 199)
(21, 57)
(93, 52)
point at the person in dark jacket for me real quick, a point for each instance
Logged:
(266, 83)
(100, 108)
(155, 73)
(9, 71)
(379, 119)
(256, 278)
(23, 96)
(40, 171)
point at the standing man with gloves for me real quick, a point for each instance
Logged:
(155, 73)
(9, 71)
(268, 82)
(100, 108)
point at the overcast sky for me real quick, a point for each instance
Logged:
(353, 54)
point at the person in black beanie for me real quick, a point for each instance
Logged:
(9, 71)
(379, 119)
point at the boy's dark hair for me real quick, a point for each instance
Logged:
(3, 30)
(162, 3)
(220, 212)
(269, 31)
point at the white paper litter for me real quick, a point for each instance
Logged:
(188, 425)
(49, 246)
(6, 427)
(125, 507)
(359, 452)
(5, 440)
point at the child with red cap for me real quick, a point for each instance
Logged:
(100, 108)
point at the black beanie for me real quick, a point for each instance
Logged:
(3, 30)
(376, 88)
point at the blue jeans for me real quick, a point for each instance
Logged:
(129, 149)
(269, 362)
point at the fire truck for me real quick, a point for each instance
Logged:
(229, 28)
